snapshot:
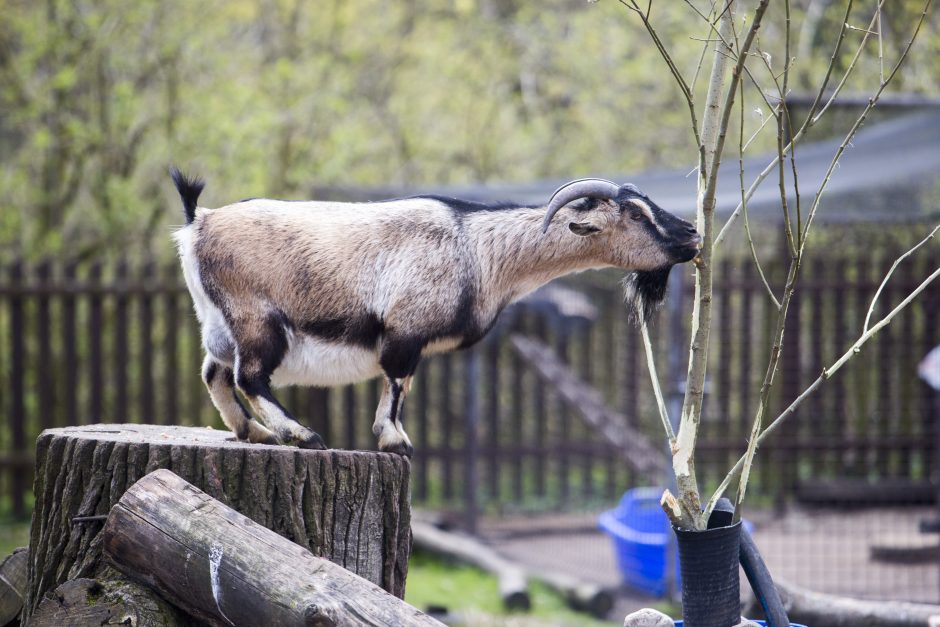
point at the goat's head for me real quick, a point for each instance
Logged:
(632, 232)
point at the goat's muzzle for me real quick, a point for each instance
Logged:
(688, 249)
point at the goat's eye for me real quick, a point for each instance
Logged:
(636, 216)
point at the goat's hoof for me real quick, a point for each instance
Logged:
(271, 440)
(313, 441)
(400, 448)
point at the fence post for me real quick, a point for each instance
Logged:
(17, 388)
(471, 420)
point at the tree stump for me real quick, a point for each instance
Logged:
(351, 507)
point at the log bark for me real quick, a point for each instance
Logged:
(827, 610)
(513, 586)
(223, 568)
(12, 584)
(350, 507)
(107, 600)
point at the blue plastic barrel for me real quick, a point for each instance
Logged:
(641, 534)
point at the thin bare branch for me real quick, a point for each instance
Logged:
(747, 226)
(897, 262)
(657, 391)
(765, 119)
(808, 122)
(849, 69)
(683, 86)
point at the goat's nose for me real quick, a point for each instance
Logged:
(690, 229)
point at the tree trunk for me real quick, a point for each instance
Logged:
(350, 507)
(221, 567)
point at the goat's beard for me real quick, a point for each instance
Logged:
(644, 291)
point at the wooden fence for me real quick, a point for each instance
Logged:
(119, 343)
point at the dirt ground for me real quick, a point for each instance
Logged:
(823, 550)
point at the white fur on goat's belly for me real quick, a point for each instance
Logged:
(312, 361)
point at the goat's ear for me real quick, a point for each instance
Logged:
(583, 228)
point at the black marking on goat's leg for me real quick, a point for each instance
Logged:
(387, 426)
(220, 381)
(399, 360)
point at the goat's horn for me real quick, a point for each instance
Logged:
(582, 188)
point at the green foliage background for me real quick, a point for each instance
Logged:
(273, 97)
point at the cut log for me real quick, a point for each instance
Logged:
(513, 586)
(12, 584)
(221, 567)
(347, 506)
(582, 596)
(827, 610)
(107, 601)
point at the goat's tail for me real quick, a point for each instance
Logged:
(189, 189)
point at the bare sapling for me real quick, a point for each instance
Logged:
(739, 65)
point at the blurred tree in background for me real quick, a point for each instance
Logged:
(271, 97)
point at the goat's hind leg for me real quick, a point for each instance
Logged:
(262, 344)
(220, 381)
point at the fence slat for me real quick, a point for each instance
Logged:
(17, 389)
(45, 376)
(70, 350)
(121, 356)
(170, 360)
(95, 349)
(145, 333)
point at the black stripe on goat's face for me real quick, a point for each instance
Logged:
(676, 238)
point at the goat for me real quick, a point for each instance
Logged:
(328, 293)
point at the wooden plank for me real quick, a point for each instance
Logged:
(70, 365)
(517, 417)
(171, 328)
(145, 395)
(588, 402)
(446, 423)
(421, 462)
(471, 424)
(46, 375)
(95, 350)
(840, 417)
(491, 372)
(121, 355)
(17, 388)
(563, 468)
(540, 417)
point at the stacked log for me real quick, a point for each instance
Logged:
(349, 507)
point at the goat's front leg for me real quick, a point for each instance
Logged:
(387, 426)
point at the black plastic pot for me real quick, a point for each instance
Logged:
(708, 560)
(709, 564)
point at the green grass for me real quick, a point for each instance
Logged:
(473, 595)
(13, 534)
